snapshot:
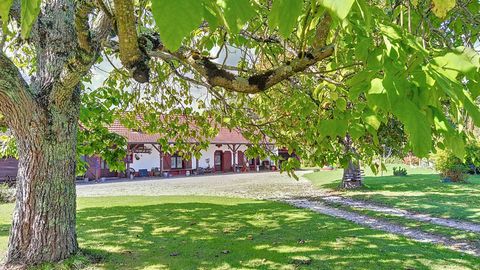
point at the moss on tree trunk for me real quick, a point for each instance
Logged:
(43, 226)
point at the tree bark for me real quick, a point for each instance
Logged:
(43, 117)
(43, 228)
(349, 182)
(352, 174)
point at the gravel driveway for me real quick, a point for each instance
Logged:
(263, 185)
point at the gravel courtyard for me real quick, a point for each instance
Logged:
(264, 185)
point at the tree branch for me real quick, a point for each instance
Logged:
(15, 98)
(133, 52)
(89, 48)
(130, 55)
(259, 82)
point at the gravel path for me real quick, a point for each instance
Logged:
(378, 224)
(280, 187)
(460, 225)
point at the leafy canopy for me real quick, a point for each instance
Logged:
(415, 62)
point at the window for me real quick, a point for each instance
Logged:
(177, 162)
(103, 165)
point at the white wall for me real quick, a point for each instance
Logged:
(194, 162)
(210, 152)
(146, 161)
(152, 160)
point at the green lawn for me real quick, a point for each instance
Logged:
(420, 191)
(220, 233)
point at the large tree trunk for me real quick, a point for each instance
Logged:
(43, 116)
(43, 226)
(352, 176)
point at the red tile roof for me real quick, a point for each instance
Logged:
(224, 135)
(133, 136)
(229, 136)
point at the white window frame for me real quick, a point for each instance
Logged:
(176, 162)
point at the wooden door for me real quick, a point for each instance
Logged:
(227, 161)
(167, 162)
(241, 158)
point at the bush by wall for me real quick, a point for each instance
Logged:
(450, 167)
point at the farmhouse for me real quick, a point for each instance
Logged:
(226, 153)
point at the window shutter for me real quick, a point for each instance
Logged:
(167, 162)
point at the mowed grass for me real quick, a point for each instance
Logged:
(224, 233)
(421, 191)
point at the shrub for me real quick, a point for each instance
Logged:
(399, 171)
(472, 158)
(456, 173)
(450, 167)
(7, 193)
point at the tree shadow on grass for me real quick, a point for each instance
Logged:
(250, 235)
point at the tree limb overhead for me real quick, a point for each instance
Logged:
(216, 76)
(130, 55)
(89, 43)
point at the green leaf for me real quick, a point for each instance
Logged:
(371, 119)
(462, 60)
(472, 109)
(211, 18)
(237, 13)
(339, 8)
(30, 11)
(284, 15)
(5, 6)
(333, 127)
(440, 121)
(455, 143)
(341, 104)
(442, 7)
(416, 125)
(176, 19)
(356, 130)
(377, 95)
